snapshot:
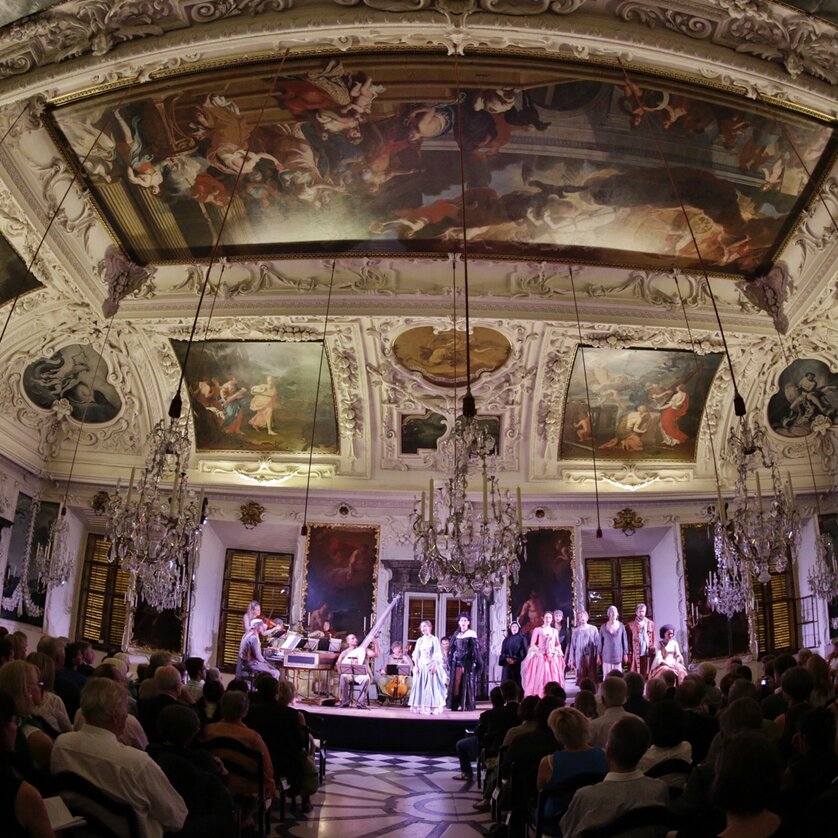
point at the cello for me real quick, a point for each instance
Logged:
(397, 687)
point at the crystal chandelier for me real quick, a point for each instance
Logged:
(155, 532)
(823, 576)
(762, 532)
(55, 560)
(728, 591)
(466, 547)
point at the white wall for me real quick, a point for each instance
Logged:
(805, 562)
(668, 595)
(202, 640)
(62, 600)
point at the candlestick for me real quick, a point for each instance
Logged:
(485, 499)
(791, 490)
(422, 513)
(130, 486)
(721, 503)
(520, 515)
(173, 499)
(759, 493)
(431, 501)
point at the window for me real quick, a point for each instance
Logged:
(101, 613)
(248, 575)
(623, 581)
(776, 614)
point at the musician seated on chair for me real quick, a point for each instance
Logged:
(250, 652)
(395, 672)
(359, 659)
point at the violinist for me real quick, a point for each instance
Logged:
(254, 612)
(394, 679)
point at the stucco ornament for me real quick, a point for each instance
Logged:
(769, 293)
(123, 277)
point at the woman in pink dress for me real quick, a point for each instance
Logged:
(544, 661)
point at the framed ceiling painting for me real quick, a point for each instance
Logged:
(360, 154)
(546, 581)
(711, 635)
(423, 432)
(806, 399)
(341, 568)
(260, 396)
(645, 404)
(14, 277)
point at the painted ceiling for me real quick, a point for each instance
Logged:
(602, 174)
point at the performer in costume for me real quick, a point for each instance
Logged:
(404, 665)
(564, 639)
(542, 662)
(642, 641)
(463, 666)
(584, 648)
(250, 652)
(513, 650)
(613, 642)
(668, 655)
(361, 679)
(430, 681)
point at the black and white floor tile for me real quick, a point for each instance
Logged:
(377, 795)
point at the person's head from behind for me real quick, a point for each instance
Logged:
(656, 689)
(797, 685)
(628, 740)
(667, 724)
(178, 724)
(238, 685)
(613, 692)
(708, 673)
(545, 707)
(570, 727)
(7, 650)
(782, 664)
(285, 693)
(690, 693)
(214, 674)
(195, 668)
(818, 668)
(46, 668)
(634, 684)
(669, 678)
(741, 688)
(587, 684)
(21, 681)
(266, 687)
(104, 703)
(233, 706)
(526, 709)
(585, 703)
(73, 655)
(496, 697)
(747, 775)
(816, 732)
(555, 689)
(212, 692)
(8, 724)
(742, 714)
(168, 680)
(510, 691)
(744, 672)
(54, 647)
(158, 659)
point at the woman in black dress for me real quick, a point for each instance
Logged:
(512, 651)
(464, 664)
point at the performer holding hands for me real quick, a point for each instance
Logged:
(544, 659)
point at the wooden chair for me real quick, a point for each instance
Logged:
(105, 815)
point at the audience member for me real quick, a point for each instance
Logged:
(488, 725)
(207, 705)
(803, 655)
(526, 719)
(712, 694)
(747, 783)
(586, 703)
(73, 660)
(148, 687)
(128, 774)
(167, 689)
(21, 681)
(700, 726)
(797, 686)
(613, 698)
(88, 658)
(635, 702)
(655, 690)
(813, 769)
(624, 787)
(775, 705)
(132, 733)
(51, 709)
(196, 670)
(21, 644)
(22, 810)
(66, 685)
(668, 729)
(587, 684)
(7, 650)
(238, 685)
(823, 690)
(742, 714)
(573, 757)
(214, 674)
(554, 688)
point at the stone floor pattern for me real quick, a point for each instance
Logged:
(377, 795)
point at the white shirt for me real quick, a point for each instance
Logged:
(125, 773)
(601, 726)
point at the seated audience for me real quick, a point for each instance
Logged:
(613, 698)
(775, 705)
(73, 661)
(574, 757)
(67, 687)
(526, 719)
(51, 709)
(635, 702)
(21, 644)
(7, 650)
(624, 787)
(797, 685)
(127, 774)
(586, 703)
(587, 684)
(148, 686)
(712, 694)
(238, 685)
(207, 705)
(234, 706)
(554, 688)
(815, 766)
(88, 658)
(213, 674)
(655, 690)
(700, 726)
(21, 681)
(167, 689)
(747, 785)
(22, 810)
(132, 734)
(823, 691)
(489, 726)
(668, 729)
(194, 774)
(197, 672)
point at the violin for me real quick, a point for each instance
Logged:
(271, 626)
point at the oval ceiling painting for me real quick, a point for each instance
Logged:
(78, 374)
(440, 357)
(806, 399)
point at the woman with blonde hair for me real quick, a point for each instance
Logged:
(51, 709)
(21, 681)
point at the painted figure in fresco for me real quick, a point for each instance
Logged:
(642, 641)
(668, 655)
(430, 678)
(544, 659)
(231, 398)
(463, 666)
(810, 400)
(630, 430)
(513, 650)
(613, 642)
(584, 648)
(263, 402)
(531, 613)
(671, 412)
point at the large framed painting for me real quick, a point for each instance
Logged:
(23, 594)
(829, 526)
(807, 395)
(79, 374)
(14, 277)
(711, 635)
(360, 153)
(260, 395)
(341, 567)
(546, 580)
(422, 432)
(645, 404)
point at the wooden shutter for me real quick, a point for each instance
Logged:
(775, 614)
(623, 581)
(101, 612)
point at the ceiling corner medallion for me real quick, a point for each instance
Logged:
(628, 521)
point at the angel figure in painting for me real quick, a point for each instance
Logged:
(668, 655)
(430, 681)
(463, 666)
(545, 660)
(263, 403)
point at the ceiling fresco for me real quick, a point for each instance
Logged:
(806, 399)
(645, 404)
(362, 155)
(14, 277)
(260, 396)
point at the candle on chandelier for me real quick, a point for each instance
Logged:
(520, 515)
(721, 503)
(485, 499)
(130, 485)
(791, 490)
(759, 493)
(422, 513)
(431, 501)
(173, 499)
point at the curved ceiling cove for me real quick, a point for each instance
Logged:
(361, 155)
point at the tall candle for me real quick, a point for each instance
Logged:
(485, 499)
(422, 513)
(520, 515)
(721, 503)
(791, 490)
(759, 492)
(173, 499)
(130, 486)
(431, 501)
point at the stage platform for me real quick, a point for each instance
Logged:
(388, 729)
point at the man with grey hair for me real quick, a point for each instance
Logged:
(121, 772)
(168, 688)
(148, 687)
(613, 698)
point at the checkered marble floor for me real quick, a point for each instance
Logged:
(376, 795)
